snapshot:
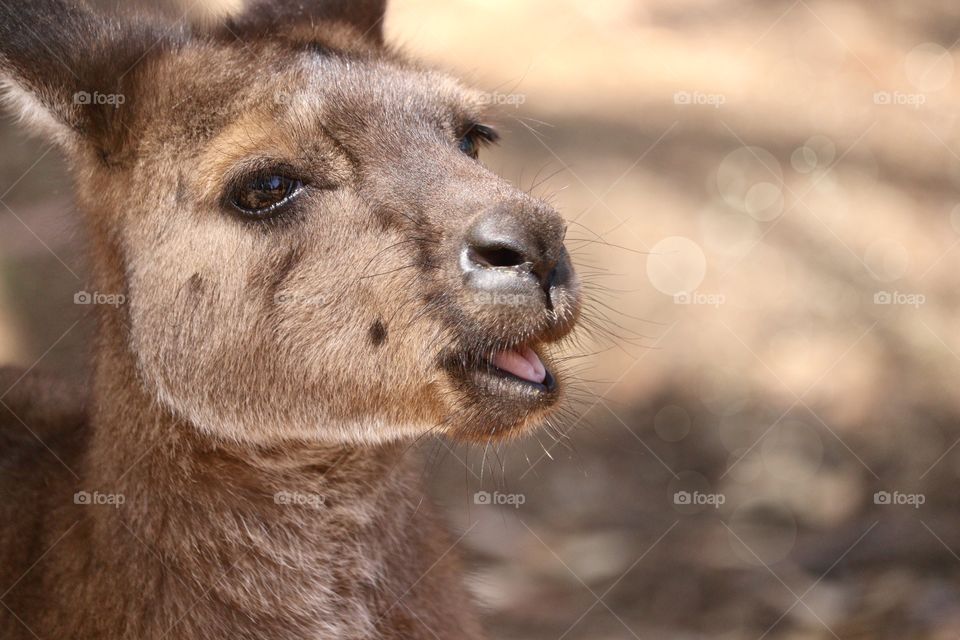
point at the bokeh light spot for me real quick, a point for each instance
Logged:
(672, 423)
(676, 265)
(929, 67)
(887, 260)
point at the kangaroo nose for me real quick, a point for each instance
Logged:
(509, 246)
(495, 251)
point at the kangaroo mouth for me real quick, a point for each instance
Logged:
(500, 378)
(524, 365)
(516, 371)
(501, 392)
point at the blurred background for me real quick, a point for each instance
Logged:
(763, 198)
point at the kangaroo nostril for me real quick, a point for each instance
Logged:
(496, 256)
(510, 248)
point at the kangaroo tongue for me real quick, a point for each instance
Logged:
(523, 363)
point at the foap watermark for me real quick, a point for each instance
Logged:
(696, 298)
(514, 500)
(299, 99)
(499, 99)
(899, 99)
(297, 299)
(95, 297)
(500, 299)
(85, 98)
(95, 498)
(896, 298)
(696, 498)
(299, 499)
(699, 99)
(887, 498)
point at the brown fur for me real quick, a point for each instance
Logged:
(254, 360)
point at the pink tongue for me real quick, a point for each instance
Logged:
(523, 363)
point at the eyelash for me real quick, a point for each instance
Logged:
(476, 136)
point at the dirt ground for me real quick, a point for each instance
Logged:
(763, 197)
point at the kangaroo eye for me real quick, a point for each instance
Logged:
(477, 135)
(469, 146)
(265, 194)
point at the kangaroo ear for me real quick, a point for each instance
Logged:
(63, 69)
(264, 17)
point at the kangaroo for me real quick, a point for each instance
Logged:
(310, 269)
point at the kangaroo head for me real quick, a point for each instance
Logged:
(307, 241)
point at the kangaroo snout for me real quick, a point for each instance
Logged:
(518, 293)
